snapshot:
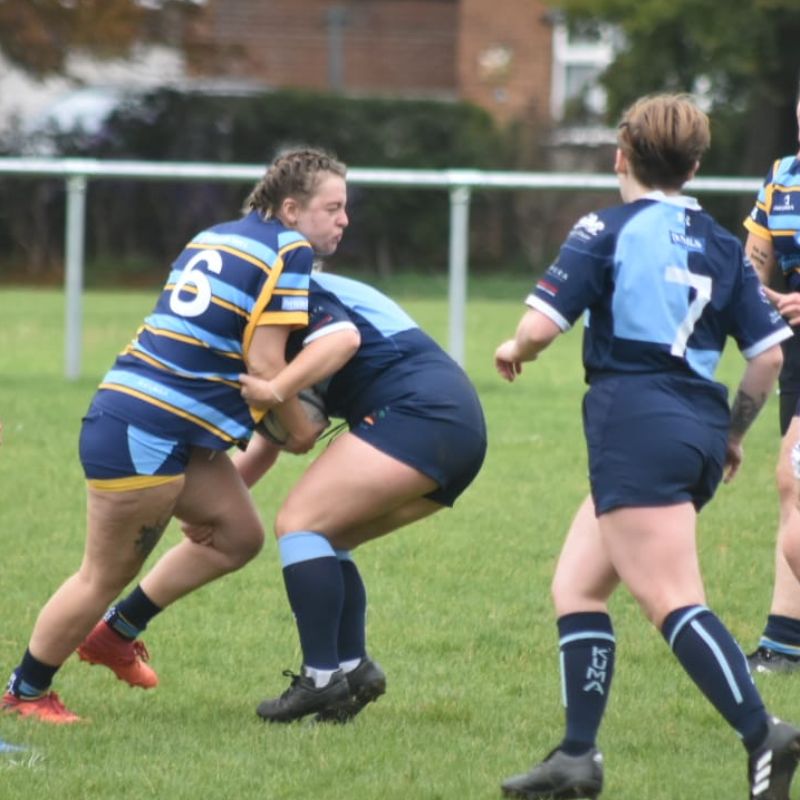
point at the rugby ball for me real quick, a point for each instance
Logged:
(311, 402)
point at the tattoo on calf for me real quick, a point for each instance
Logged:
(149, 536)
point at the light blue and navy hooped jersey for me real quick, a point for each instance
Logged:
(187, 355)
(393, 350)
(664, 285)
(776, 216)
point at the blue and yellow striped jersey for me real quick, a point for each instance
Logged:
(186, 356)
(776, 216)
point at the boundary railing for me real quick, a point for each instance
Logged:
(458, 183)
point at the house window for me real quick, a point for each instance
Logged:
(581, 51)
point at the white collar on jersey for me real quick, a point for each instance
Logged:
(682, 200)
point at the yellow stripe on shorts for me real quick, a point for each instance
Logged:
(131, 484)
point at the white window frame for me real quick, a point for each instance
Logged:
(567, 54)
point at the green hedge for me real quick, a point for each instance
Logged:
(145, 224)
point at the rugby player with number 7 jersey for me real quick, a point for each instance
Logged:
(661, 286)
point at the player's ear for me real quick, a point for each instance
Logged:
(288, 211)
(620, 162)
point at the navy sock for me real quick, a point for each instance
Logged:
(587, 645)
(352, 624)
(31, 678)
(782, 634)
(315, 590)
(713, 660)
(130, 616)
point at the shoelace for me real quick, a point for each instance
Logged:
(140, 651)
(295, 680)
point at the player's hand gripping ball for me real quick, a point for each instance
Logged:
(314, 407)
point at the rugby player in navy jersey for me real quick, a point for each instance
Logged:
(664, 286)
(773, 246)
(153, 442)
(415, 439)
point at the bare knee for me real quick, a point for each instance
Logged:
(290, 519)
(103, 583)
(570, 597)
(252, 546)
(562, 594)
(244, 548)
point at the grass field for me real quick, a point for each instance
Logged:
(460, 615)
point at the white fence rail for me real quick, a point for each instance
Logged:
(459, 183)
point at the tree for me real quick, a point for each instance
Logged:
(37, 35)
(743, 57)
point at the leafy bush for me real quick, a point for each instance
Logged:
(148, 222)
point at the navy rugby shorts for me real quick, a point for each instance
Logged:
(654, 440)
(119, 456)
(438, 429)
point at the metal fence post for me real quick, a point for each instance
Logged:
(73, 274)
(457, 285)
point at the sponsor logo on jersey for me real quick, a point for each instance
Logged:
(695, 243)
(785, 205)
(588, 226)
(555, 272)
(294, 303)
(548, 283)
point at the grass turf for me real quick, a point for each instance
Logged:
(460, 616)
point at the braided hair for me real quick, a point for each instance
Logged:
(294, 173)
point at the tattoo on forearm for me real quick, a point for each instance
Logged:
(149, 536)
(762, 260)
(759, 256)
(745, 410)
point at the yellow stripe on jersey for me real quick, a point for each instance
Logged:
(156, 363)
(759, 230)
(770, 190)
(217, 301)
(132, 484)
(298, 318)
(263, 266)
(257, 312)
(228, 306)
(294, 245)
(261, 303)
(115, 387)
(181, 337)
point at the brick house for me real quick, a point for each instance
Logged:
(515, 58)
(498, 54)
